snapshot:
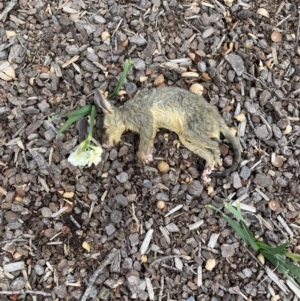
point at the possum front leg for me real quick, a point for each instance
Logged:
(144, 153)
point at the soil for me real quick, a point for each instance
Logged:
(122, 230)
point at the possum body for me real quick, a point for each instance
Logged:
(197, 123)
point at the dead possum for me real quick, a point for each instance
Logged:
(197, 123)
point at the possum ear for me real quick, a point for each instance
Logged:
(102, 103)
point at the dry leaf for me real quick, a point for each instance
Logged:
(240, 117)
(10, 33)
(7, 72)
(190, 74)
(68, 195)
(261, 258)
(287, 130)
(104, 35)
(263, 12)
(159, 80)
(86, 246)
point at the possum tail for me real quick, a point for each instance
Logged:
(233, 142)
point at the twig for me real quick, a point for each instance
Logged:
(283, 20)
(298, 30)
(168, 257)
(7, 9)
(21, 292)
(162, 282)
(258, 80)
(108, 260)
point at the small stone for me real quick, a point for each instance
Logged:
(162, 197)
(263, 180)
(99, 19)
(60, 291)
(122, 177)
(121, 200)
(138, 64)
(130, 88)
(17, 284)
(236, 63)
(39, 269)
(110, 229)
(195, 188)
(116, 216)
(46, 212)
(227, 250)
(261, 132)
(72, 50)
(208, 32)
(245, 172)
(113, 155)
(236, 180)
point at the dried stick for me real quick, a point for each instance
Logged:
(109, 258)
(7, 9)
(162, 281)
(21, 292)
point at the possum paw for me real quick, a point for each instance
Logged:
(206, 172)
(107, 145)
(145, 158)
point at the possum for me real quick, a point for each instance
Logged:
(197, 123)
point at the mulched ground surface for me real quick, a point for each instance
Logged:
(61, 225)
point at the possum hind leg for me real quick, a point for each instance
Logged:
(209, 151)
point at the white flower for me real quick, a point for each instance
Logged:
(79, 157)
(82, 157)
(94, 155)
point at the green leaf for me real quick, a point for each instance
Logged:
(127, 66)
(68, 123)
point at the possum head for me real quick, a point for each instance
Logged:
(113, 123)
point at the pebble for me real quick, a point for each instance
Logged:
(245, 172)
(60, 291)
(110, 229)
(39, 269)
(113, 154)
(195, 188)
(263, 180)
(116, 216)
(236, 180)
(121, 200)
(208, 32)
(99, 19)
(46, 212)
(236, 63)
(17, 284)
(227, 250)
(138, 64)
(261, 132)
(122, 177)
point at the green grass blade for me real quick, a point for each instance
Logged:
(127, 66)
(278, 250)
(68, 123)
(82, 111)
(294, 256)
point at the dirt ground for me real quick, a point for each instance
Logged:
(122, 230)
